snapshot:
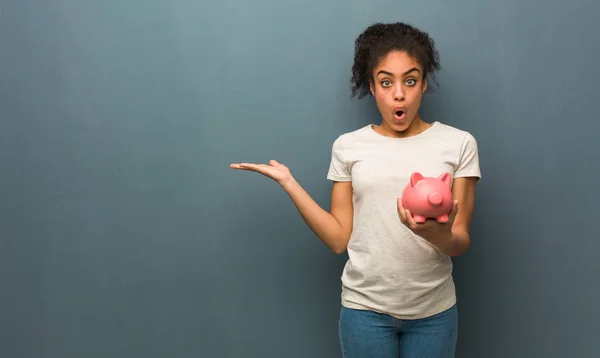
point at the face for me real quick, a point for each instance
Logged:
(398, 87)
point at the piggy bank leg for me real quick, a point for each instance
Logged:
(443, 218)
(419, 218)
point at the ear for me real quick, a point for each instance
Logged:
(446, 178)
(415, 178)
(372, 87)
(424, 85)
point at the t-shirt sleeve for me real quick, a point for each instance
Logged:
(338, 167)
(468, 164)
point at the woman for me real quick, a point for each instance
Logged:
(398, 295)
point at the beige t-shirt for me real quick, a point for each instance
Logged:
(390, 269)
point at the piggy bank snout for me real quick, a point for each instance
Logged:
(435, 198)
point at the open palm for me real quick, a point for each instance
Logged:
(274, 170)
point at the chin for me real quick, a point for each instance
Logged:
(400, 126)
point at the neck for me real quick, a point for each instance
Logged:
(417, 126)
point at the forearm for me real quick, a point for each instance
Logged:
(455, 244)
(321, 222)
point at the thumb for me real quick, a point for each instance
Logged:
(454, 210)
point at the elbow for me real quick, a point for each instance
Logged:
(341, 246)
(461, 243)
(338, 250)
(457, 253)
(338, 241)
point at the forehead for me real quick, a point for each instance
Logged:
(397, 62)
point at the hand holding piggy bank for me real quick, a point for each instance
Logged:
(428, 197)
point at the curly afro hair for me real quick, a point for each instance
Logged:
(380, 39)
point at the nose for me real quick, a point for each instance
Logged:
(398, 93)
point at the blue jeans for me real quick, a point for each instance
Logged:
(366, 334)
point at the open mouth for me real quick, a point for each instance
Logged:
(399, 115)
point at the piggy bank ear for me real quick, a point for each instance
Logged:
(446, 178)
(415, 177)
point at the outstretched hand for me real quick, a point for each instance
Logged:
(439, 234)
(274, 170)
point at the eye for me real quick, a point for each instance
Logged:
(386, 83)
(411, 82)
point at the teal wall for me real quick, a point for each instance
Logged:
(123, 232)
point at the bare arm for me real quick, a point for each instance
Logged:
(463, 190)
(332, 228)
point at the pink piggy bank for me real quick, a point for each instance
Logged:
(428, 197)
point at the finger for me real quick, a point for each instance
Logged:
(273, 162)
(411, 221)
(406, 216)
(243, 166)
(454, 211)
(260, 168)
(401, 212)
(235, 166)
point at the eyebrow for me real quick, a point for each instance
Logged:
(404, 74)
